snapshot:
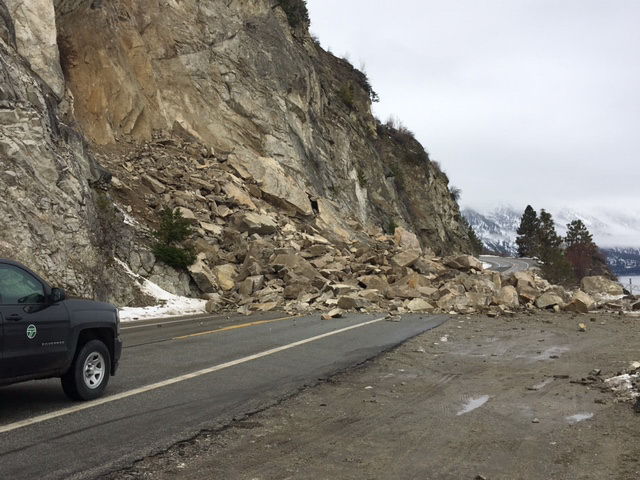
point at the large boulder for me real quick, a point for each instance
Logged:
(226, 276)
(294, 263)
(204, 278)
(251, 223)
(580, 303)
(238, 196)
(549, 300)
(154, 184)
(526, 286)
(278, 187)
(428, 266)
(599, 285)
(406, 258)
(375, 282)
(463, 262)
(406, 239)
(507, 296)
(419, 305)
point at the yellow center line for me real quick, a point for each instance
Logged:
(234, 327)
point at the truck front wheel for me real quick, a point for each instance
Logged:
(88, 376)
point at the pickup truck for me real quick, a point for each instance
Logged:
(44, 334)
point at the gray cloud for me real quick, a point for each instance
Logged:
(522, 101)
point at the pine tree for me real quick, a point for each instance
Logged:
(577, 233)
(582, 252)
(476, 244)
(555, 266)
(528, 233)
(173, 230)
(548, 238)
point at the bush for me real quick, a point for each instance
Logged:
(176, 257)
(455, 192)
(296, 11)
(347, 95)
(173, 230)
(173, 227)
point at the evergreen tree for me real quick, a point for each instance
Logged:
(528, 233)
(578, 234)
(582, 252)
(477, 246)
(548, 238)
(555, 266)
(173, 230)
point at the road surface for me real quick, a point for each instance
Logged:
(508, 265)
(178, 377)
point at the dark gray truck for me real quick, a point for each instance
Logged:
(43, 334)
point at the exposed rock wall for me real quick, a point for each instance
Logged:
(234, 75)
(288, 125)
(47, 211)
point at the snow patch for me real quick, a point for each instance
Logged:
(472, 404)
(579, 417)
(624, 386)
(169, 305)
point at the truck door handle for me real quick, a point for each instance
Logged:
(14, 318)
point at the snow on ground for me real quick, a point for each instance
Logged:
(627, 385)
(169, 305)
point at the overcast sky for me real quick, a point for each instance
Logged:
(521, 101)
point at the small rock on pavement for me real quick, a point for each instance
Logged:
(535, 420)
(335, 313)
(582, 327)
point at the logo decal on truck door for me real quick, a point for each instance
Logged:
(31, 331)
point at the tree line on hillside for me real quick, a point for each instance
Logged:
(564, 260)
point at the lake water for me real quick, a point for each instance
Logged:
(635, 281)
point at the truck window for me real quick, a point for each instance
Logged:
(18, 287)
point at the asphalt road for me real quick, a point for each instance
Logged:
(509, 265)
(178, 377)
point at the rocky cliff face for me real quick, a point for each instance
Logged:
(265, 115)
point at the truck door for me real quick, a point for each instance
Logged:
(34, 331)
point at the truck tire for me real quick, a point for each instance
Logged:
(89, 373)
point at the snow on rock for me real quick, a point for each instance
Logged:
(625, 386)
(169, 305)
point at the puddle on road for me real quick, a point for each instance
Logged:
(473, 403)
(579, 417)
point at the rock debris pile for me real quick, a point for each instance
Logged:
(262, 244)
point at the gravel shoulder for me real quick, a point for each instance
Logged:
(499, 398)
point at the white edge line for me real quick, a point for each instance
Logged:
(154, 386)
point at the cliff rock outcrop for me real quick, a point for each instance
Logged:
(221, 108)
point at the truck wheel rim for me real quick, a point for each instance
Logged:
(93, 370)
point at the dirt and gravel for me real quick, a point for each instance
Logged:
(494, 398)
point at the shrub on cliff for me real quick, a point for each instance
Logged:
(296, 11)
(173, 230)
(347, 95)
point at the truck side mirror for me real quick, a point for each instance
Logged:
(57, 295)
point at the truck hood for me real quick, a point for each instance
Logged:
(81, 304)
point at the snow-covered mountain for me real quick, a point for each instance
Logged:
(623, 261)
(496, 229)
(617, 233)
